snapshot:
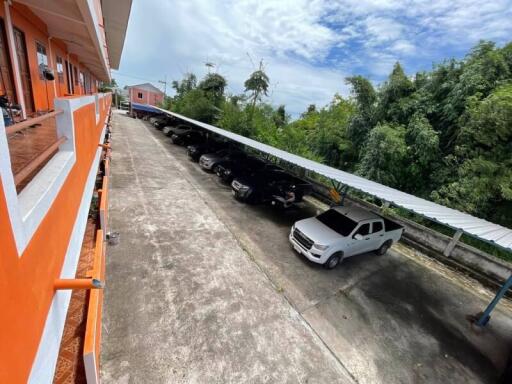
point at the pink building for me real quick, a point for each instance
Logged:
(145, 94)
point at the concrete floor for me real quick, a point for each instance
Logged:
(202, 288)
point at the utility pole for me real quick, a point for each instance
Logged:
(164, 82)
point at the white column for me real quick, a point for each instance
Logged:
(14, 60)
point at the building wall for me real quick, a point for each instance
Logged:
(151, 98)
(34, 31)
(27, 281)
(30, 322)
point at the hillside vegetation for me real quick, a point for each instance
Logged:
(445, 135)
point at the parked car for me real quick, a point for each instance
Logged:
(163, 122)
(195, 151)
(187, 137)
(209, 161)
(273, 186)
(170, 130)
(343, 232)
(228, 170)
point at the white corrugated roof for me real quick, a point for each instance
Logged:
(474, 226)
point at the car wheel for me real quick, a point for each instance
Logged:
(334, 261)
(383, 248)
(215, 169)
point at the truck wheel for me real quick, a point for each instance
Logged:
(333, 261)
(383, 248)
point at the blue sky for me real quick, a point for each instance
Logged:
(308, 47)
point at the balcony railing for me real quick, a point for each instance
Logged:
(32, 143)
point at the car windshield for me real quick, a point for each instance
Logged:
(337, 222)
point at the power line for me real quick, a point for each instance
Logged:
(135, 77)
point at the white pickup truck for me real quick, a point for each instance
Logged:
(342, 232)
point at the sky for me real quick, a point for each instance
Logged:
(308, 48)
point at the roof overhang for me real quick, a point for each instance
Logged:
(79, 24)
(116, 14)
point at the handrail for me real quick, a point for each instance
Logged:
(92, 339)
(29, 122)
(37, 161)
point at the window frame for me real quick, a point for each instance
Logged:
(59, 62)
(44, 56)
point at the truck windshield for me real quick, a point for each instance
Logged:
(337, 222)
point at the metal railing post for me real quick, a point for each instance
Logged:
(484, 319)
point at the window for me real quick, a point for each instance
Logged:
(42, 59)
(377, 227)
(139, 95)
(363, 230)
(337, 222)
(60, 69)
(82, 80)
(75, 76)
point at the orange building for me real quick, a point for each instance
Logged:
(54, 162)
(146, 94)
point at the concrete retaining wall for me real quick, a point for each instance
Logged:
(479, 264)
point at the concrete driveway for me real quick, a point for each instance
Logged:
(203, 288)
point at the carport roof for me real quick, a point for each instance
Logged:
(474, 226)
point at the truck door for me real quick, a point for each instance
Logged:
(376, 236)
(360, 246)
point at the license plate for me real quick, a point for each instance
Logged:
(297, 249)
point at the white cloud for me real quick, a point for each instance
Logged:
(308, 46)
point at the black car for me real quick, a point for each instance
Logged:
(228, 170)
(165, 121)
(195, 151)
(273, 186)
(187, 137)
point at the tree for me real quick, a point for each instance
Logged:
(424, 155)
(363, 121)
(257, 84)
(188, 83)
(393, 103)
(483, 182)
(385, 155)
(213, 84)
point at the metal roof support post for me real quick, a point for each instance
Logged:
(484, 319)
(455, 239)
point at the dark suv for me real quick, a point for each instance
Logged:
(273, 186)
(187, 137)
(229, 170)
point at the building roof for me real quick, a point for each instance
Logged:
(146, 86)
(116, 14)
(474, 226)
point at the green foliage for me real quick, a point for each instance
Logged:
(196, 104)
(214, 85)
(482, 183)
(385, 155)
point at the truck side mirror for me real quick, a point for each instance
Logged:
(358, 236)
